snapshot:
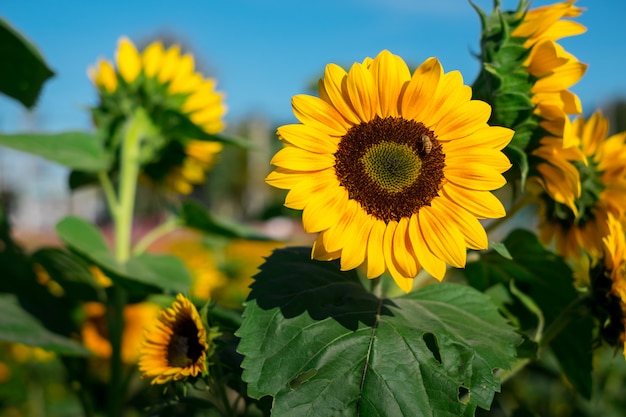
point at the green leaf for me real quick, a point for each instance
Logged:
(548, 280)
(178, 124)
(23, 70)
(196, 217)
(500, 248)
(17, 326)
(143, 274)
(78, 150)
(320, 344)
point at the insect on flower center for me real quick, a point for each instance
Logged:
(391, 166)
(184, 347)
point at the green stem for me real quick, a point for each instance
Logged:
(109, 193)
(154, 234)
(122, 210)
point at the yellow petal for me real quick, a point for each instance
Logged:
(308, 138)
(313, 111)
(362, 92)
(403, 251)
(482, 204)
(433, 265)
(152, 59)
(421, 89)
(298, 159)
(170, 64)
(334, 89)
(463, 120)
(405, 283)
(375, 257)
(442, 237)
(473, 232)
(128, 60)
(390, 75)
(353, 254)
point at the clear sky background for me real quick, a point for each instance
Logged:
(263, 52)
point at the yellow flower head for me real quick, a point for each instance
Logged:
(553, 71)
(583, 225)
(176, 346)
(164, 83)
(392, 169)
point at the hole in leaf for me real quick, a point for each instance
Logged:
(432, 345)
(464, 394)
(302, 378)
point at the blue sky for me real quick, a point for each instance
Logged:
(262, 52)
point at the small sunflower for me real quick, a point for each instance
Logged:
(176, 347)
(164, 83)
(393, 169)
(615, 266)
(603, 180)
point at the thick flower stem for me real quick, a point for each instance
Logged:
(122, 209)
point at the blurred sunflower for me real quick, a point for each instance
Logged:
(553, 71)
(176, 346)
(181, 103)
(392, 169)
(136, 318)
(603, 180)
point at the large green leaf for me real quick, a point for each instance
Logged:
(78, 150)
(143, 273)
(17, 326)
(23, 70)
(548, 281)
(321, 345)
(196, 217)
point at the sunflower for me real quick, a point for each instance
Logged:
(603, 180)
(164, 83)
(553, 71)
(176, 346)
(392, 169)
(614, 244)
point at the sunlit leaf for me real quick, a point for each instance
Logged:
(79, 150)
(23, 70)
(17, 326)
(320, 344)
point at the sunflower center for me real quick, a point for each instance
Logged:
(391, 166)
(184, 348)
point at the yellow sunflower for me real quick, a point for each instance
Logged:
(603, 181)
(615, 264)
(163, 81)
(553, 71)
(176, 346)
(392, 169)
